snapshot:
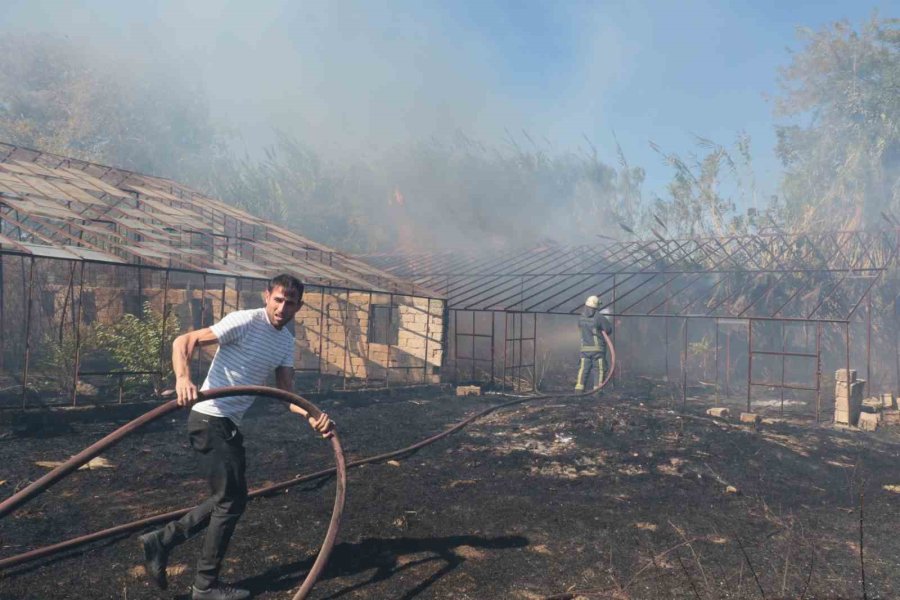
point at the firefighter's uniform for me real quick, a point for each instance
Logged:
(593, 347)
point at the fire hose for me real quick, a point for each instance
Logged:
(340, 469)
(38, 486)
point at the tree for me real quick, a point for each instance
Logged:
(711, 194)
(841, 151)
(71, 99)
(521, 194)
(136, 342)
(292, 185)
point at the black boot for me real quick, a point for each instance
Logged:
(156, 557)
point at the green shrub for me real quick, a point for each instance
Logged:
(135, 343)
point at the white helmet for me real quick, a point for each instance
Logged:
(592, 302)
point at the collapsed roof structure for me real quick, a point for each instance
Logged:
(70, 227)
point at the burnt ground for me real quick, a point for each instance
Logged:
(539, 499)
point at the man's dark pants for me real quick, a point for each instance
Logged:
(221, 445)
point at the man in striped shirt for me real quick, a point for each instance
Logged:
(252, 343)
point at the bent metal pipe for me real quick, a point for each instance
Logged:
(124, 528)
(20, 498)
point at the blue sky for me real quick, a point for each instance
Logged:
(356, 75)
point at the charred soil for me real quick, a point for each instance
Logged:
(562, 496)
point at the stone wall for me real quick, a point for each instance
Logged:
(332, 328)
(343, 344)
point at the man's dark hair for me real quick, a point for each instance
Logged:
(288, 283)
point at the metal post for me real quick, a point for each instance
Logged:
(222, 303)
(345, 317)
(818, 371)
(140, 278)
(534, 353)
(198, 362)
(521, 334)
(869, 341)
(783, 361)
(473, 347)
(717, 361)
(427, 335)
(322, 327)
(684, 359)
(619, 370)
(493, 334)
(728, 363)
(456, 346)
(77, 358)
(847, 348)
(505, 343)
(387, 371)
(369, 339)
(28, 311)
(70, 294)
(165, 319)
(666, 333)
(749, 360)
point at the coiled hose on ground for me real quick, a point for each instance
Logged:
(41, 484)
(18, 499)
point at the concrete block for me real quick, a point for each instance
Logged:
(718, 412)
(468, 390)
(890, 417)
(845, 389)
(848, 399)
(888, 400)
(750, 418)
(842, 417)
(872, 404)
(844, 375)
(868, 421)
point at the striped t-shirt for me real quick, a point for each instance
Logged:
(250, 349)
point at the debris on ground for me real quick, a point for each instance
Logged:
(657, 498)
(868, 421)
(468, 390)
(97, 462)
(750, 418)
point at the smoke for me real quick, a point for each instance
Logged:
(369, 86)
(346, 76)
(394, 100)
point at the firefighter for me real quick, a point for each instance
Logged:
(593, 346)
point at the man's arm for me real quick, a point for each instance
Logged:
(284, 380)
(182, 350)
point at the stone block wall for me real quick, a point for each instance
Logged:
(342, 343)
(332, 328)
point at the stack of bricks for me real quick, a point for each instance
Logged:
(848, 395)
(889, 413)
(468, 390)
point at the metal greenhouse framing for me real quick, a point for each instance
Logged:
(789, 281)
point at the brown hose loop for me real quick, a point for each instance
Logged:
(612, 362)
(60, 472)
